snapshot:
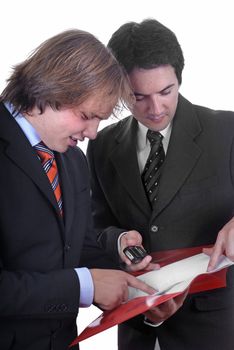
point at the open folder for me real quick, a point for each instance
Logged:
(181, 269)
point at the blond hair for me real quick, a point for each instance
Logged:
(64, 71)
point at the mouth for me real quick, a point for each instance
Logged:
(154, 117)
(72, 141)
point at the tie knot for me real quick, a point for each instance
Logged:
(154, 137)
(43, 152)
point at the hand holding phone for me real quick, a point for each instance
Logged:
(135, 253)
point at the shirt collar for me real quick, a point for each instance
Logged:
(142, 138)
(27, 128)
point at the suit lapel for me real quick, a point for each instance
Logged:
(124, 159)
(19, 151)
(182, 155)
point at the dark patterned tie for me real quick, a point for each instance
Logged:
(49, 165)
(152, 170)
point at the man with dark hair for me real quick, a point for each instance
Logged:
(163, 178)
(53, 99)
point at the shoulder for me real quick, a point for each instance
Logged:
(74, 159)
(205, 115)
(216, 122)
(115, 128)
(108, 139)
(110, 134)
(214, 114)
(74, 153)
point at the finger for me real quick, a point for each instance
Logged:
(166, 308)
(216, 253)
(125, 295)
(136, 283)
(152, 266)
(131, 238)
(163, 311)
(172, 305)
(158, 311)
(229, 247)
(207, 251)
(141, 265)
(179, 299)
(130, 241)
(230, 253)
(126, 261)
(156, 318)
(127, 240)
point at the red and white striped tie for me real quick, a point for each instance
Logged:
(49, 165)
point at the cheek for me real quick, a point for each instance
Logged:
(173, 102)
(71, 126)
(173, 107)
(139, 108)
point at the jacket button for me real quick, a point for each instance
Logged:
(67, 247)
(154, 228)
(62, 307)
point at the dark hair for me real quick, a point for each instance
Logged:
(147, 45)
(64, 71)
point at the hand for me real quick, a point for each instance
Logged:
(224, 245)
(134, 238)
(111, 287)
(165, 310)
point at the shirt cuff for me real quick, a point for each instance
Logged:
(86, 286)
(118, 242)
(151, 324)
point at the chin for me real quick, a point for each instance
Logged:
(61, 149)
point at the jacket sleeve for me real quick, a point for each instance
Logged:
(42, 295)
(105, 223)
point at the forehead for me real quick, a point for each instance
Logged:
(155, 79)
(101, 105)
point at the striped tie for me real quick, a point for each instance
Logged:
(48, 162)
(152, 170)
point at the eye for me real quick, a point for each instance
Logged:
(84, 116)
(139, 97)
(167, 91)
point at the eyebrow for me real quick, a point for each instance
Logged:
(166, 88)
(101, 115)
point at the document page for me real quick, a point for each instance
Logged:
(177, 276)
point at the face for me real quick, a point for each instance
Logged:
(64, 128)
(156, 91)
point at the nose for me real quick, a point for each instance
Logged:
(155, 105)
(91, 129)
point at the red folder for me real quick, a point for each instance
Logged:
(139, 305)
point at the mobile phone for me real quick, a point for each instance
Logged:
(135, 253)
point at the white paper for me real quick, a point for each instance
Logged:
(177, 276)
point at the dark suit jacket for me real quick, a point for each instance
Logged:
(195, 199)
(39, 289)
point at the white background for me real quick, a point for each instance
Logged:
(204, 28)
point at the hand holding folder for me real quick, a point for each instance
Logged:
(182, 269)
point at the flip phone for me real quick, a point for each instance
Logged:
(135, 253)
